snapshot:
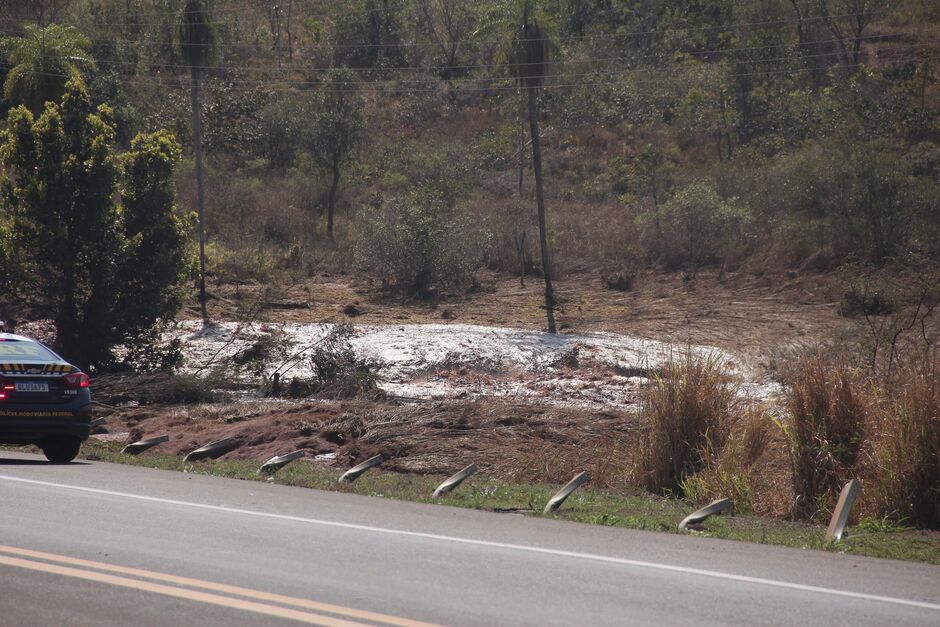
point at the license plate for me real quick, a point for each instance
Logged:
(32, 387)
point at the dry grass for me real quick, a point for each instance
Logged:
(902, 461)
(688, 409)
(882, 428)
(733, 471)
(829, 405)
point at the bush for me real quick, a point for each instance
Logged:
(689, 408)
(337, 371)
(417, 244)
(698, 227)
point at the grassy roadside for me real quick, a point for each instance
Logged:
(640, 511)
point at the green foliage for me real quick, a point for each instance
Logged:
(106, 273)
(334, 124)
(338, 371)
(196, 35)
(527, 36)
(416, 244)
(42, 61)
(369, 34)
(699, 227)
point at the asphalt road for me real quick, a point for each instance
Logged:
(95, 543)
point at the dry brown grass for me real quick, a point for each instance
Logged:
(902, 459)
(688, 409)
(829, 405)
(881, 428)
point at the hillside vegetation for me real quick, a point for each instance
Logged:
(445, 151)
(782, 134)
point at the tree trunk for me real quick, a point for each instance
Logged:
(540, 201)
(331, 201)
(200, 193)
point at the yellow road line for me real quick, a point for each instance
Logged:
(180, 593)
(218, 587)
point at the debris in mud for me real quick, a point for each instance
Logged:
(441, 361)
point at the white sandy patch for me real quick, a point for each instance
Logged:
(441, 361)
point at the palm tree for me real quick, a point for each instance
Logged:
(197, 44)
(527, 38)
(43, 60)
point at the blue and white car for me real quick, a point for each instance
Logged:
(44, 400)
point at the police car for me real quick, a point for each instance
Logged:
(44, 400)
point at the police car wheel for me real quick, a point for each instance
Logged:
(61, 451)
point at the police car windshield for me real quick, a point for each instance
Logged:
(25, 351)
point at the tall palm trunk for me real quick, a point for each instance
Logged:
(200, 192)
(540, 201)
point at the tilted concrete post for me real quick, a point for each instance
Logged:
(840, 517)
(555, 502)
(454, 481)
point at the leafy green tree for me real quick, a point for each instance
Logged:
(197, 43)
(104, 273)
(42, 61)
(154, 261)
(417, 244)
(335, 129)
(528, 38)
(699, 226)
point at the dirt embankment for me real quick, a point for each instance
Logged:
(509, 439)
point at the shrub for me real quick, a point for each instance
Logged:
(338, 371)
(688, 407)
(698, 227)
(417, 244)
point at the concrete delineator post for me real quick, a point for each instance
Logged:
(555, 502)
(840, 517)
(454, 481)
(353, 473)
(142, 445)
(212, 450)
(715, 507)
(276, 463)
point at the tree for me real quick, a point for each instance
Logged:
(335, 129)
(197, 41)
(42, 61)
(104, 273)
(527, 36)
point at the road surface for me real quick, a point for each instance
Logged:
(103, 544)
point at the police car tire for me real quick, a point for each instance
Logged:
(61, 451)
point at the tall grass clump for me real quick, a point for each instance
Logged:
(828, 405)
(902, 474)
(688, 410)
(732, 471)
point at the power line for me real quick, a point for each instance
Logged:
(886, 38)
(596, 37)
(271, 86)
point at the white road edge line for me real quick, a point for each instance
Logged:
(498, 545)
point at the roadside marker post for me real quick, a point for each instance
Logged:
(353, 473)
(140, 446)
(698, 516)
(840, 517)
(276, 463)
(212, 450)
(454, 481)
(555, 502)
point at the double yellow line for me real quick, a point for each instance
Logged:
(246, 599)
